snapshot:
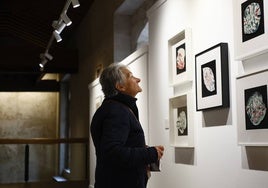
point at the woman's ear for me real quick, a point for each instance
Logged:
(119, 87)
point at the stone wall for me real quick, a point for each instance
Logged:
(28, 115)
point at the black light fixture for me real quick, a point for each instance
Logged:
(57, 36)
(43, 63)
(58, 26)
(75, 3)
(44, 59)
(66, 19)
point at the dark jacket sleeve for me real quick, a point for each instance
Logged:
(122, 141)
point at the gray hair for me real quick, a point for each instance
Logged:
(110, 76)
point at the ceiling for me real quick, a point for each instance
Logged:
(25, 32)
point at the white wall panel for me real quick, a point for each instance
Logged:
(217, 156)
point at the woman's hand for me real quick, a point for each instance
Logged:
(160, 151)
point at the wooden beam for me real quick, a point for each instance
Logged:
(43, 140)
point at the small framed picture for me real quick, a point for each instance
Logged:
(212, 77)
(181, 120)
(252, 112)
(180, 63)
(250, 28)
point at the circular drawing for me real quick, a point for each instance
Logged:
(255, 108)
(209, 80)
(180, 58)
(252, 18)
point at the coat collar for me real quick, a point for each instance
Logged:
(127, 100)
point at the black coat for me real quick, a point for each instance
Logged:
(119, 142)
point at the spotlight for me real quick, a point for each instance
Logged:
(57, 36)
(43, 63)
(60, 27)
(75, 3)
(66, 19)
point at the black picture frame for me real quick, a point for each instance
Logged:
(212, 78)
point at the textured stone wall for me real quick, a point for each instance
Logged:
(28, 115)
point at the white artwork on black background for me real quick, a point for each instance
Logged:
(252, 19)
(180, 59)
(256, 108)
(181, 122)
(208, 74)
(212, 77)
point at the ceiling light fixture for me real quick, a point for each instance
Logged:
(75, 3)
(57, 36)
(42, 64)
(58, 26)
(66, 19)
(44, 57)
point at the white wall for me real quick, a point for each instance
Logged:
(217, 156)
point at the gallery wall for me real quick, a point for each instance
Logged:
(216, 159)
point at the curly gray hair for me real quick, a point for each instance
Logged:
(110, 76)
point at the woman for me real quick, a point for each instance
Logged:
(122, 155)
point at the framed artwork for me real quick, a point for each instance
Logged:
(252, 112)
(181, 121)
(212, 77)
(180, 64)
(251, 28)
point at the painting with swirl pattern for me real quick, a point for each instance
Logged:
(252, 19)
(256, 108)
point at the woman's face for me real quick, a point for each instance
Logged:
(131, 84)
